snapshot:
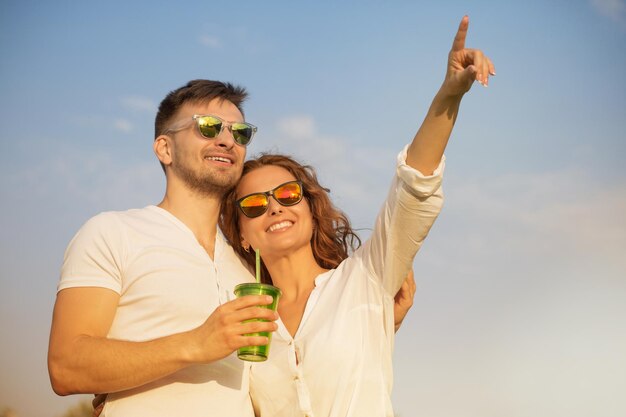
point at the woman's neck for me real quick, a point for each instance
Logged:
(295, 273)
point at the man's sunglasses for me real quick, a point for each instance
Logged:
(210, 126)
(287, 194)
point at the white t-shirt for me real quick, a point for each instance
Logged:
(338, 364)
(167, 284)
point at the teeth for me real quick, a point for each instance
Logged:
(280, 225)
(218, 158)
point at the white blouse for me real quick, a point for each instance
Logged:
(338, 364)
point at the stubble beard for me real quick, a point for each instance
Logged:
(215, 183)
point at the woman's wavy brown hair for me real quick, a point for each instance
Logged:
(333, 237)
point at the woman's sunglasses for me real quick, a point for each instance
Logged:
(210, 126)
(287, 194)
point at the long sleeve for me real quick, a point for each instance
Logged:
(411, 208)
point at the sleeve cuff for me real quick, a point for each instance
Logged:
(417, 183)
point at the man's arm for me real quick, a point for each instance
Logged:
(403, 300)
(82, 360)
(464, 67)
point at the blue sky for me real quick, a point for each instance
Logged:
(521, 285)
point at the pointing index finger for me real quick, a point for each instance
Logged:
(459, 39)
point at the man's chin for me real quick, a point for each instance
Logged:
(215, 185)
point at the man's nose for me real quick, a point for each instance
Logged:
(225, 138)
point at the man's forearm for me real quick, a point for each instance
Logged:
(94, 365)
(83, 363)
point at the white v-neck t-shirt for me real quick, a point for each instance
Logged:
(339, 362)
(167, 284)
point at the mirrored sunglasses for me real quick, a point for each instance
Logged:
(287, 194)
(210, 126)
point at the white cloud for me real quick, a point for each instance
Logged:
(119, 124)
(123, 125)
(561, 212)
(138, 104)
(301, 127)
(357, 174)
(210, 41)
(100, 179)
(613, 9)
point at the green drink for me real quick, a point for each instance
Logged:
(257, 353)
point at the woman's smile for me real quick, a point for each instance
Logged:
(280, 227)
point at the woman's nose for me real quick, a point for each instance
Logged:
(274, 206)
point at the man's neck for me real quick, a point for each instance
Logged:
(200, 213)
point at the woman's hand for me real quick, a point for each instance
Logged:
(465, 65)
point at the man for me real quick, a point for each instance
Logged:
(143, 308)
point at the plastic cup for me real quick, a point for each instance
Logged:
(257, 353)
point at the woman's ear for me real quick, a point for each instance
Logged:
(245, 245)
(162, 149)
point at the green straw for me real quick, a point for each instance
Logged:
(258, 265)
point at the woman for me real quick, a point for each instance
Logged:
(331, 355)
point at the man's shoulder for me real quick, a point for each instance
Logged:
(123, 215)
(112, 220)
